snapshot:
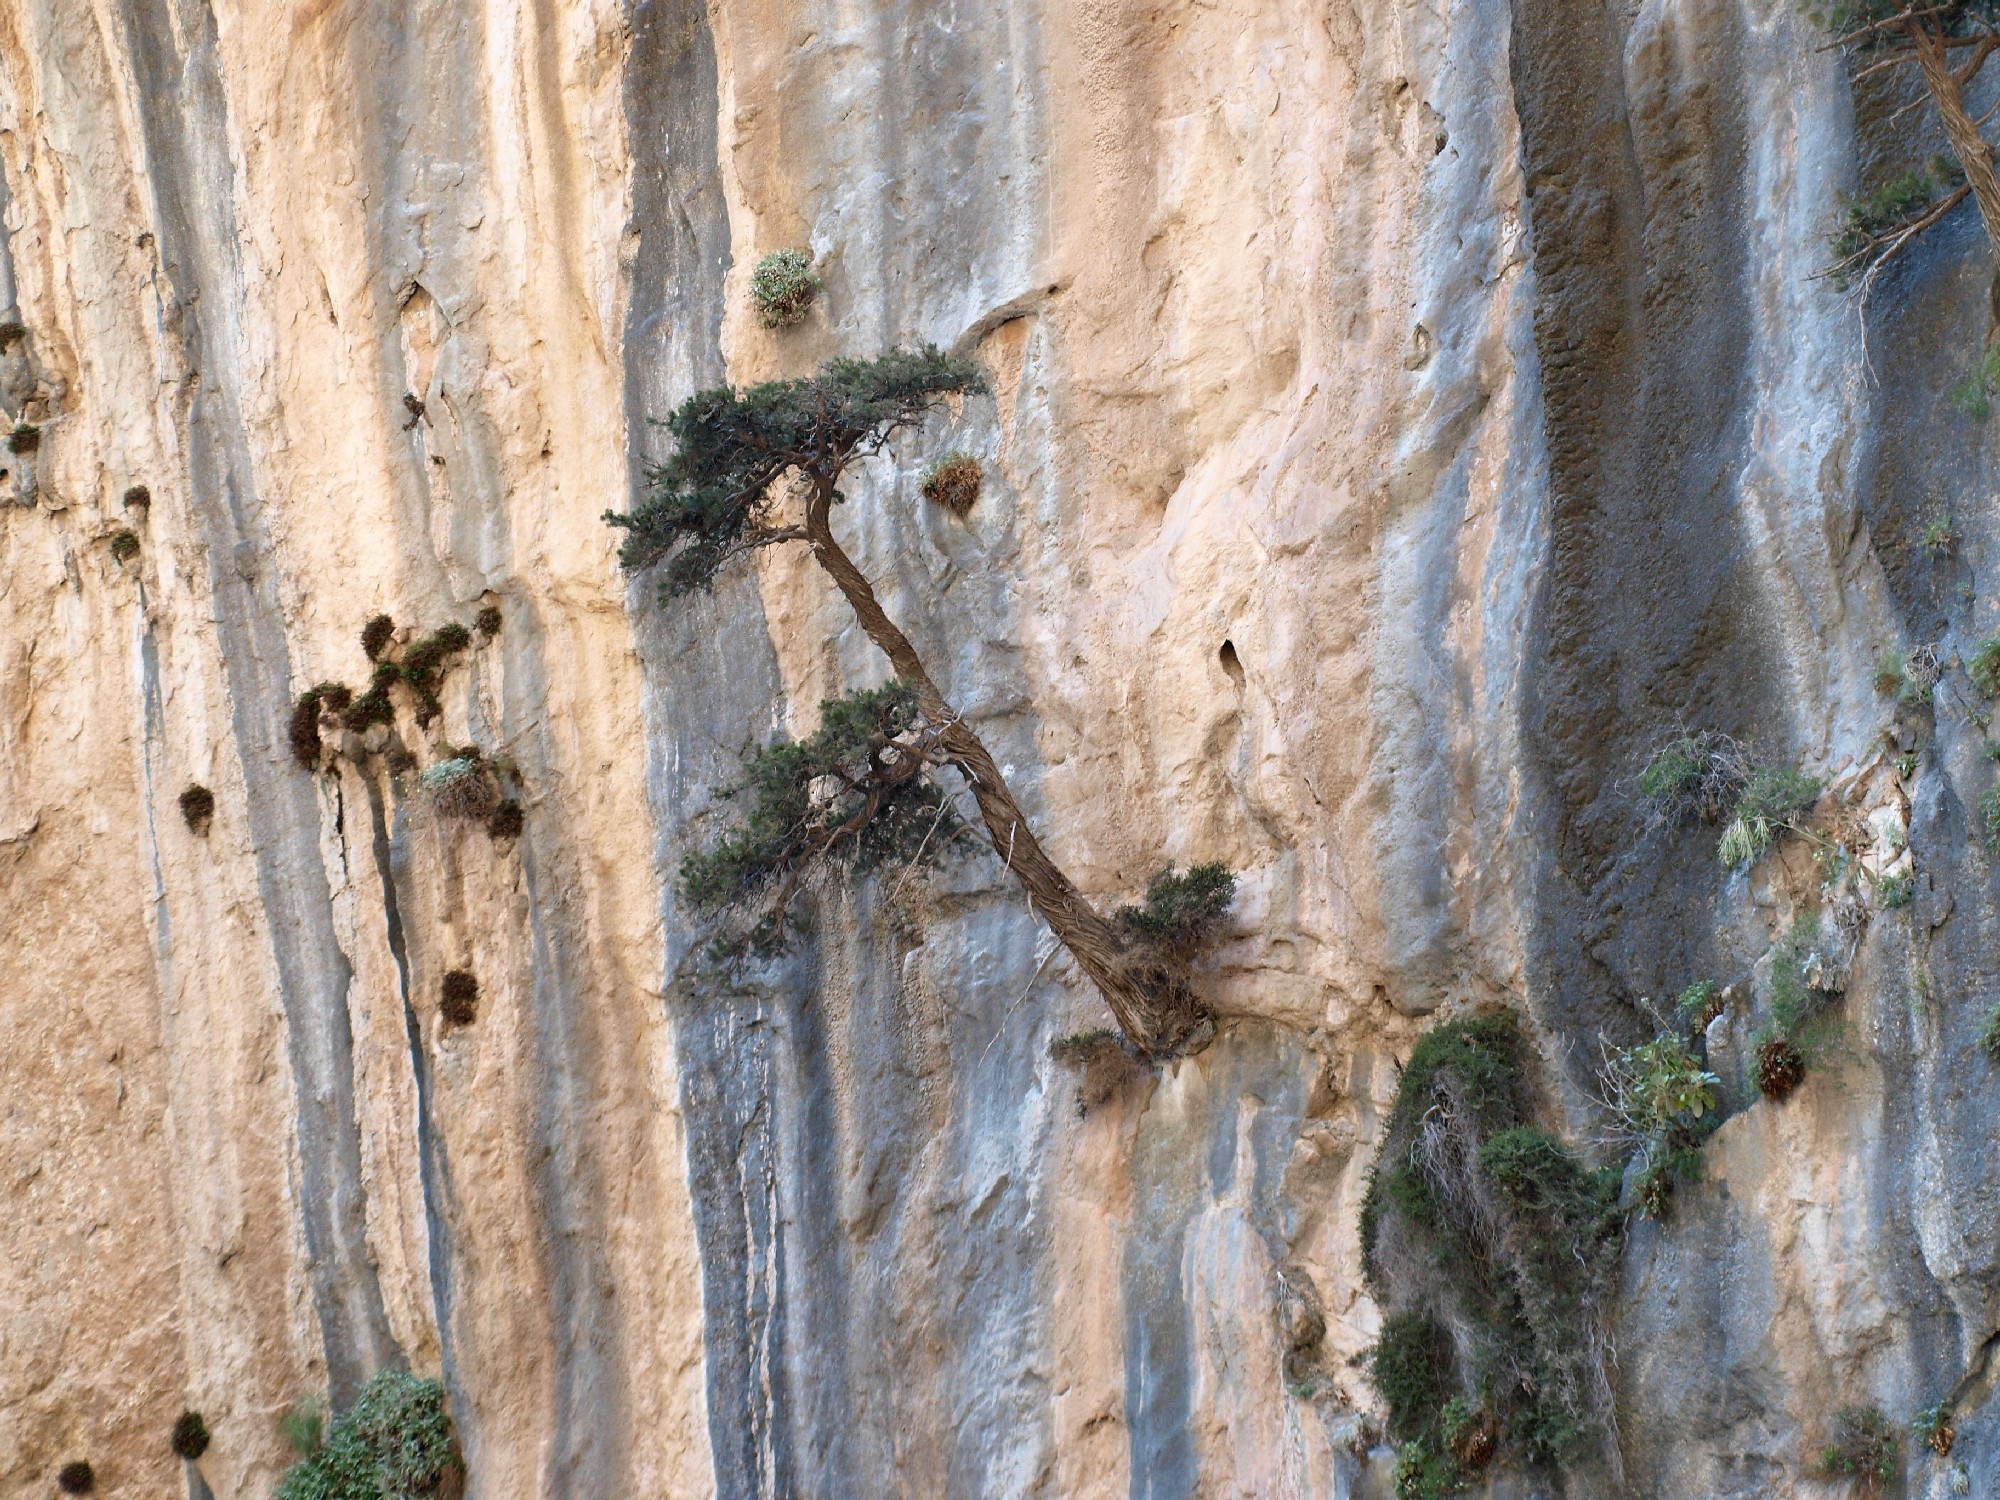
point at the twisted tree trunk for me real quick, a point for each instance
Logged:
(1155, 1006)
(1946, 86)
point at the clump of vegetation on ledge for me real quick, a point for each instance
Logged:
(1808, 976)
(952, 482)
(1488, 1243)
(190, 1435)
(1663, 1105)
(76, 1477)
(197, 808)
(783, 286)
(394, 1443)
(1712, 776)
(1863, 1446)
(124, 544)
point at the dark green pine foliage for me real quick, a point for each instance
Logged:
(1183, 913)
(394, 1443)
(712, 500)
(1477, 1220)
(856, 792)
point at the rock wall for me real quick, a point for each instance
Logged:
(1402, 419)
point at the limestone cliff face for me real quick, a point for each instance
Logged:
(1402, 418)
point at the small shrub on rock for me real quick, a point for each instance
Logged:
(783, 287)
(25, 438)
(1488, 1243)
(1772, 799)
(395, 1443)
(952, 482)
(138, 497)
(1698, 1004)
(460, 1000)
(1932, 1427)
(376, 636)
(506, 821)
(1864, 1447)
(76, 1478)
(459, 787)
(197, 808)
(190, 1435)
(1695, 775)
(1780, 1069)
(124, 544)
(304, 733)
(488, 621)
(303, 1424)
(1989, 1034)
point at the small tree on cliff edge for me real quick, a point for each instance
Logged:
(760, 468)
(1948, 44)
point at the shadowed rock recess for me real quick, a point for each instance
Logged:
(1400, 424)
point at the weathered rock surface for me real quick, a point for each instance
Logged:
(1402, 419)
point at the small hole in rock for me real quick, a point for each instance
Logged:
(1230, 663)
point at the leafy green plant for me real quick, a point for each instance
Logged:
(783, 286)
(395, 1443)
(1908, 682)
(25, 438)
(488, 621)
(1989, 817)
(1939, 536)
(1660, 1088)
(124, 544)
(190, 1435)
(1989, 1034)
(1183, 913)
(1983, 666)
(1864, 1447)
(1427, 1471)
(952, 482)
(1894, 891)
(1698, 1004)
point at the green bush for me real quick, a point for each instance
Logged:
(1989, 817)
(1183, 913)
(1989, 1034)
(1939, 537)
(783, 286)
(1894, 678)
(1932, 1428)
(1427, 1471)
(1413, 1367)
(376, 636)
(395, 1443)
(1772, 799)
(1478, 1220)
(124, 544)
(1865, 1447)
(25, 438)
(303, 1424)
(1695, 775)
(1662, 1089)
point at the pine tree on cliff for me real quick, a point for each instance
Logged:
(761, 468)
(1947, 44)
